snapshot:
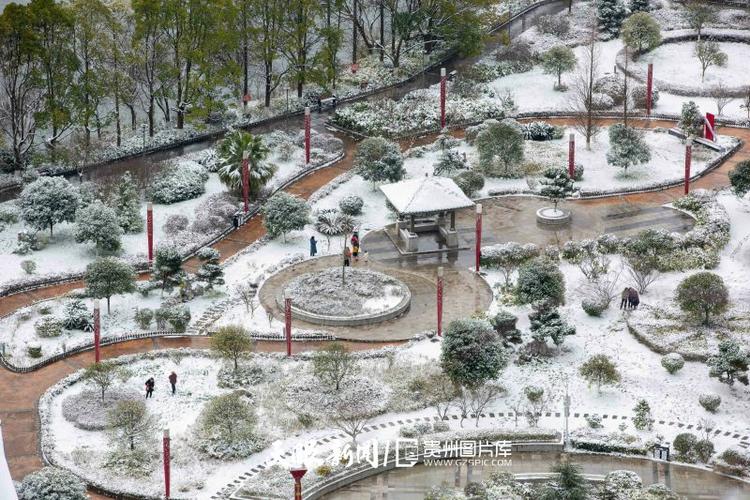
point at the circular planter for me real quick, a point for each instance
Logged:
(358, 318)
(548, 216)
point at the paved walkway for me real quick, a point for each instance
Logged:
(20, 393)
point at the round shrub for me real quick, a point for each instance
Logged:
(594, 306)
(684, 443)
(472, 352)
(469, 182)
(578, 172)
(541, 131)
(601, 102)
(703, 294)
(704, 449)
(87, 410)
(175, 223)
(710, 402)
(34, 350)
(48, 327)
(639, 96)
(51, 482)
(179, 182)
(540, 280)
(351, 205)
(594, 421)
(143, 317)
(739, 177)
(440, 426)
(323, 470)
(672, 362)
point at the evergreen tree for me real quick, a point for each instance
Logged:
(639, 6)
(231, 342)
(98, 224)
(611, 14)
(540, 280)
(691, 119)
(167, 267)
(48, 201)
(559, 60)
(739, 177)
(642, 420)
(501, 149)
(569, 484)
(641, 32)
(210, 271)
(51, 482)
(698, 14)
(109, 276)
(703, 294)
(379, 160)
(600, 370)
(472, 353)
(547, 323)
(627, 147)
(729, 364)
(283, 213)
(230, 162)
(130, 424)
(127, 203)
(556, 185)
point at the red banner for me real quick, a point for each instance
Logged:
(478, 236)
(150, 231)
(650, 89)
(440, 302)
(307, 136)
(288, 324)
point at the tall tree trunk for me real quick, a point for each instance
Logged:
(354, 32)
(382, 30)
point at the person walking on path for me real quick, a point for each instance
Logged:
(313, 246)
(173, 382)
(150, 383)
(633, 299)
(355, 246)
(347, 256)
(625, 298)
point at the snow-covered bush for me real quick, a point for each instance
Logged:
(594, 421)
(34, 350)
(472, 352)
(76, 316)
(540, 280)
(474, 130)
(100, 225)
(691, 119)
(642, 419)
(612, 86)
(29, 241)
(621, 485)
(507, 257)
(627, 147)
(684, 444)
(208, 158)
(127, 204)
(178, 182)
(86, 410)
(703, 294)
(541, 131)
(48, 326)
(179, 317)
(247, 374)
(175, 223)
(501, 149)
(710, 402)
(414, 431)
(351, 205)
(450, 161)
(611, 14)
(143, 317)
(10, 213)
(470, 182)
(379, 160)
(594, 306)
(283, 213)
(28, 266)
(672, 362)
(639, 94)
(601, 102)
(553, 25)
(48, 201)
(440, 426)
(214, 213)
(227, 428)
(518, 57)
(52, 483)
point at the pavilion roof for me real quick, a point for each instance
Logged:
(425, 195)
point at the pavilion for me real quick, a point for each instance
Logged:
(426, 204)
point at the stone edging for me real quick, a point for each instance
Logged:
(678, 36)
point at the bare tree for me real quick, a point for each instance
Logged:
(441, 393)
(583, 87)
(482, 396)
(709, 54)
(642, 273)
(721, 96)
(351, 408)
(246, 293)
(746, 101)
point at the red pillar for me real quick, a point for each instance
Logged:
(167, 459)
(307, 136)
(650, 89)
(443, 79)
(297, 475)
(150, 231)
(97, 330)
(245, 181)
(288, 324)
(688, 161)
(571, 155)
(709, 127)
(478, 243)
(440, 301)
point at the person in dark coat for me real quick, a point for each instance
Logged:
(150, 383)
(625, 298)
(313, 246)
(347, 257)
(173, 381)
(355, 246)
(633, 299)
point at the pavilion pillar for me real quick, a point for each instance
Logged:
(453, 220)
(411, 223)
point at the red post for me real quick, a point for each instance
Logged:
(478, 235)
(650, 89)
(167, 460)
(245, 181)
(97, 330)
(150, 231)
(297, 474)
(688, 160)
(709, 130)
(571, 155)
(443, 79)
(440, 301)
(288, 324)
(307, 136)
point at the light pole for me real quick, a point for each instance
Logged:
(97, 331)
(297, 474)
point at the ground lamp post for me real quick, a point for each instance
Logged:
(297, 474)
(688, 161)
(478, 251)
(440, 301)
(307, 136)
(150, 231)
(443, 79)
(288, 324)
(572, 156)
(649, 89)
(167, 459)
(97, 330)
(245, 182)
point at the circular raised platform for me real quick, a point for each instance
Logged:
(551, 217)
(365, 297)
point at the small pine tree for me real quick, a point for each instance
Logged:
(109, 276)
(611, 14)
(547, 323)
(98, 224)
(556, 185)
(210, 271)
(691, 119)
(641, 32)
(730, 364)
(642, 420)
(127, 203)
(627, 147)
(600, 370)
(167, 267)
(283, 213)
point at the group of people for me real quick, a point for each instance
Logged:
(151, 383)
(629, 299)
(349, 253)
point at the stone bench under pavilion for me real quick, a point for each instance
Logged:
(426, 204)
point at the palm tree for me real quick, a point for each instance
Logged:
(230, 162)
(332, 222)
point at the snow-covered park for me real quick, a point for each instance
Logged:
(624, 342)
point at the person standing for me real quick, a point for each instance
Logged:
(633, 299)
(625, 298)
(355, 246)
(347, 256)
(173, 382)
(313, 246)
(150, 383)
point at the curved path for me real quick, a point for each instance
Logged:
(20, 393)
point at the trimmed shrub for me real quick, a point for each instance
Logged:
(52, 483)
(179, 182)
(704, 449)
(710, 402)
(179, 318)
(175, 223)
(48, 327)
(470, 182)
(351, 205)
(540, 280)
(143, 317)
(76, 316)
(34, 350)
(541, 131)
(594, 306)
(553, 25)
(594, 421)
(684, 443)
(672, 362)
